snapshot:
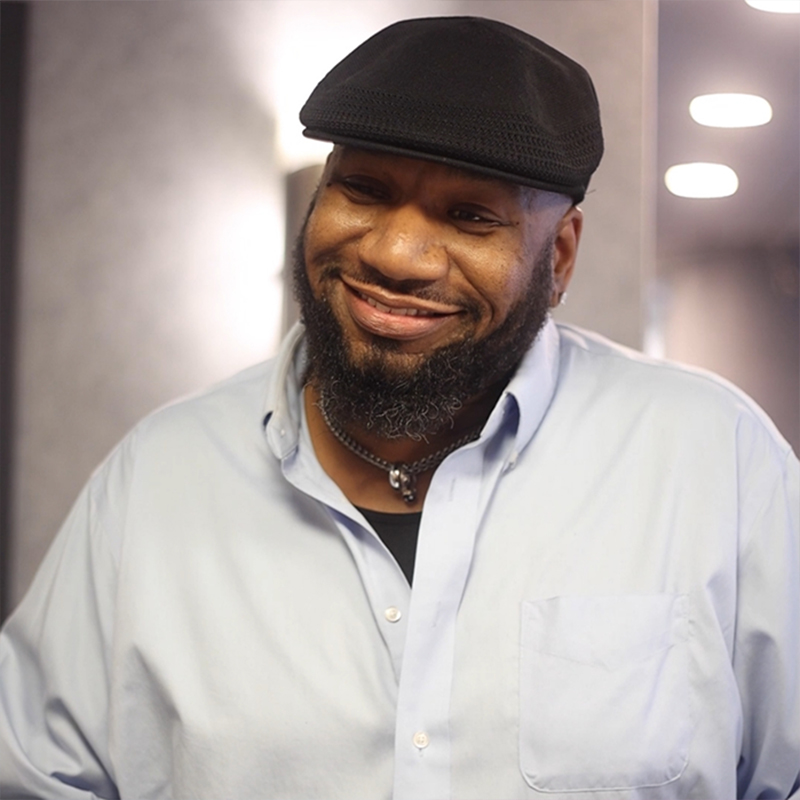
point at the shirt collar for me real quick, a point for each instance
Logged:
(282, 409)
(531, 389)
(533, 385)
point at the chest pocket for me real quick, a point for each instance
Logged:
(604, 692)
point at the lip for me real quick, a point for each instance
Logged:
(394, 316)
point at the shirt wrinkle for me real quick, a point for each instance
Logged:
(253, 630)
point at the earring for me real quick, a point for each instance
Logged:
(562, 299)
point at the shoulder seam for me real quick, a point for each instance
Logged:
(706, 376)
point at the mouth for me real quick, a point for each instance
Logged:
(400, 311)
(395, 316)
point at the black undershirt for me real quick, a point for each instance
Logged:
(399, 533)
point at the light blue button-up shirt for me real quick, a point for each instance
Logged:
(606, 601)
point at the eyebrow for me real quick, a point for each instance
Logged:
(454, 170)
(472, 174)
(526, 194)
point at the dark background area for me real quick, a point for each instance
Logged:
(13, 17)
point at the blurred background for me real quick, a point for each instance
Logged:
(151, 164)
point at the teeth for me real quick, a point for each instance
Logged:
(400, 312)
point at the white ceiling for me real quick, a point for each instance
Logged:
(725, 46)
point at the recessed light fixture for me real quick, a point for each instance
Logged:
(776, 6)
(730, 110)
(701, 179)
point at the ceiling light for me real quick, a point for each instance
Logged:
(776, 6)
(701, 180)
(730, 110)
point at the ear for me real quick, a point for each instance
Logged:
(565, 251)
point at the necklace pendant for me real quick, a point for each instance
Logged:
(403, 481)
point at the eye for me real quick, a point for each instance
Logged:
(361, 188)
(474, 217)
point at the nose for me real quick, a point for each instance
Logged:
(403, 243)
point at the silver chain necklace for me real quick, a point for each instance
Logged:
(402, 477)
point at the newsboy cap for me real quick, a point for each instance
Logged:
(469, 92)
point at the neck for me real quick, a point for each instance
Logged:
(473, 414)
(367, 485)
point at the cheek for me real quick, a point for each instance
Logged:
(320, 242)
(317, 233)
(333, 224)
(501, 280)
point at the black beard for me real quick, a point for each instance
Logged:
(392, 403)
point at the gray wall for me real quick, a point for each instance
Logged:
(152, 225)
(147, 166)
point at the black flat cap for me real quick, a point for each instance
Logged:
(465, 91)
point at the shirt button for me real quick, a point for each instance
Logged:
(392, 614)
(421, 740)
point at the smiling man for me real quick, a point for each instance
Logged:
(603, 549)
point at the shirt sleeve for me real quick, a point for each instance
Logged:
(55, 654)
(767, 641)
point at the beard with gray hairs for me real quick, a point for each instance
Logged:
(393, 403)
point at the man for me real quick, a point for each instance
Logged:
(603, 549)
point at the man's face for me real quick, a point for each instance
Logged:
(409, 264)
